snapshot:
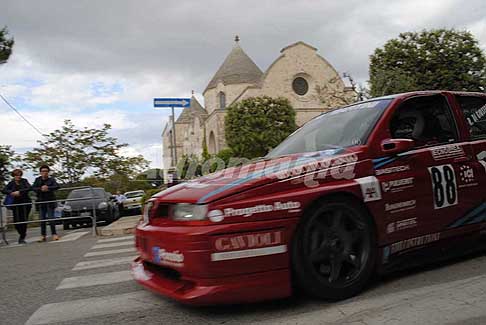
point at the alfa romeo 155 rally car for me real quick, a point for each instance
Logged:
(361, 189)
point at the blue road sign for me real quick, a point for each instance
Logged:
(172, 102)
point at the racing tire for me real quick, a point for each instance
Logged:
(334, 250)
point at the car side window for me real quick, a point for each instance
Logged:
(427, 120)
(474, 110)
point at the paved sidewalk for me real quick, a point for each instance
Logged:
(122, 226)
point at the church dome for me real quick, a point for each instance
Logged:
(237, 68)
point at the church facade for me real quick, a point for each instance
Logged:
(300, 74)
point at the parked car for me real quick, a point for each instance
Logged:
(379, 185)
(133, 201)
(80, 203)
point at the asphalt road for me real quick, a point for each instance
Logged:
(85, 280)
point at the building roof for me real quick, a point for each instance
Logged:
(237, 68)
(188, 113)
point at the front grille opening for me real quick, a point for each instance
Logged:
(163, 271)
(162, 211)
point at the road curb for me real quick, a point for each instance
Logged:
(123, 226)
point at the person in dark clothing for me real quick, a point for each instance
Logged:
(45, 187)
(19, 189)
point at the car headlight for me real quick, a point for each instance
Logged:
(189, 212)
(67, 208)
(146, 211)
(102, 205)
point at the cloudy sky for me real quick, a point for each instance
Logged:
(98, 62)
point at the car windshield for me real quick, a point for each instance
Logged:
(86, 193)
(134, 194)
(343, 127)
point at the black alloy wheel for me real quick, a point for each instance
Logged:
(334, 250)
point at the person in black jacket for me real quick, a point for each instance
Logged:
(45, 187)
(19, 189)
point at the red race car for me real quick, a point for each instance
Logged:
(371, 187)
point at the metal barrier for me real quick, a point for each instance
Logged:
(3, 225)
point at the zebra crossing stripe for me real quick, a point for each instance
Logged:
(103, 263)
(95, 279)
(108, 245)
(112, 251)
(109, 240)
(95, 307)
(71, 237)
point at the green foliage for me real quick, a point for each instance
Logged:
(253, 126)
(73, 152)
(189, 167)
(149, 193)
(205, 152)
(225, 155)
(7, 155)
(6, 45)
(429, 60)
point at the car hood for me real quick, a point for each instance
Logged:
(81, 204)
(237, 179)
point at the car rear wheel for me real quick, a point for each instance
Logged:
(334, 250)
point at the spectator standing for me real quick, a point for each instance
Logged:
(45, 186)
(120, 198)
(18, 189)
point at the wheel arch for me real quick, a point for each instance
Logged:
(341, 195)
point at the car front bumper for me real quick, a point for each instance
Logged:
(195, 277)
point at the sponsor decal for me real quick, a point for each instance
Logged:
(248, 241)
(482, 158)
(196, 185)
(139, 273)
(342, 167)
(444, 186)
(447, 152)
(401, 225)
(400, 206)
(233, 255)
(290, 206)
(161, 256)
(370, 188)
(397, 185)
(391, 170)
(216, 215)
(481, 155)
(477, 116)
(466, 176)
(413, 242)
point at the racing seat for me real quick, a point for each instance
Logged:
(409, 124)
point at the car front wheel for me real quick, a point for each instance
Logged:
(334, 250)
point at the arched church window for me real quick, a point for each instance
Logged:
(222, 100)
(300, 86)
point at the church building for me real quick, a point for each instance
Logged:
(300, 74)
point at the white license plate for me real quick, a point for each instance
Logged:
(85, 214)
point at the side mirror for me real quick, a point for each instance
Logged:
(395, 146)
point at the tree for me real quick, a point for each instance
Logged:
(429, 60)
(332, 94)
(6, 45)
(74, 152)
(255, 125)
(7, 155)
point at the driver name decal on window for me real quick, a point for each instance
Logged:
(477, 116)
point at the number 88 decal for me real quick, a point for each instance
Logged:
(444, 186)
